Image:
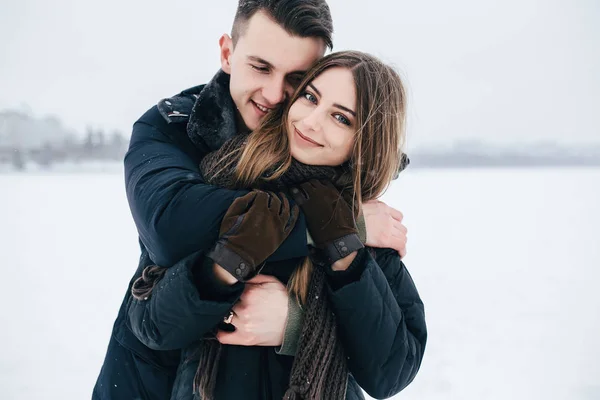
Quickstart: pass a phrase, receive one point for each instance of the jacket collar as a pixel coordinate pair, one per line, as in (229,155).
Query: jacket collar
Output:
(213,118)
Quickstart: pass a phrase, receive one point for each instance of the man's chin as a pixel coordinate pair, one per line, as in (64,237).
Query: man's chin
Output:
(248,123)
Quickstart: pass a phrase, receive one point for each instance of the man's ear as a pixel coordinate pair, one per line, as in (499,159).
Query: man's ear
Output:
(226,45)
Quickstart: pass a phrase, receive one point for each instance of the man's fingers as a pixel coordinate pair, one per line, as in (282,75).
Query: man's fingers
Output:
(402,253)
(400,243)
(400,229)
(397,243)
(239,337)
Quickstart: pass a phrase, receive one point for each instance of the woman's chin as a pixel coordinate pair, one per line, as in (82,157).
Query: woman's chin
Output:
(297,155)
(303,158)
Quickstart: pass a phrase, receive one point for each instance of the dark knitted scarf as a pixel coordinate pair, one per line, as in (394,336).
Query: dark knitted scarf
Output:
(319,370)
(213,173)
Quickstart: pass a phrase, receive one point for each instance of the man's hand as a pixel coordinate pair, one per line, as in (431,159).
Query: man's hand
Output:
(384,226)
(260,315)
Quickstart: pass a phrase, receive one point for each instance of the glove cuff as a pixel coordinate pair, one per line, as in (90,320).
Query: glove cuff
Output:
(342,247)
(233,263)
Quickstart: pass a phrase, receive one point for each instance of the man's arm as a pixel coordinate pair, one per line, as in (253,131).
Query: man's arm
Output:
(175,212)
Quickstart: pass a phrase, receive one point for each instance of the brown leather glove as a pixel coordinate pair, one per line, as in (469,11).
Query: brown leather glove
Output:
(254,227)
(329,218)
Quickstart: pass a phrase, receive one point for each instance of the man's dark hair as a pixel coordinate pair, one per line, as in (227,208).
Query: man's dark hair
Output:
(303,18)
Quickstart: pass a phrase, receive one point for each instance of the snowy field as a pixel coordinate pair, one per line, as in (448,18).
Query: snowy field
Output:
(507,263)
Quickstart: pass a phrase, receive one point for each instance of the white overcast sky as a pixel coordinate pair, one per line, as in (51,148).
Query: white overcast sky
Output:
(499,71)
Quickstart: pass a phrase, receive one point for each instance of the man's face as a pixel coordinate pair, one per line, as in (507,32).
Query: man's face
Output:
(264,65)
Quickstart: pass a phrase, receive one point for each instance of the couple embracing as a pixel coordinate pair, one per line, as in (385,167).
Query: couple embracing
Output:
(269,269)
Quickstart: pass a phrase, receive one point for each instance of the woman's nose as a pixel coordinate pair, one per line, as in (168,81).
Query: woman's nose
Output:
(314,120)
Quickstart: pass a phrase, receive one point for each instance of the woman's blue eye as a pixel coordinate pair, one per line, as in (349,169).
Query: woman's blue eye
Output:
(308,96)
(342,119)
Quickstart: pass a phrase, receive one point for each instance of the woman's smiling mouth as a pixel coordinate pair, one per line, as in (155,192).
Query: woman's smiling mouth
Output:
(306,139)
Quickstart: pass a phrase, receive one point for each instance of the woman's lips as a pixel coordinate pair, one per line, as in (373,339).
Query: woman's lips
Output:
(306,139)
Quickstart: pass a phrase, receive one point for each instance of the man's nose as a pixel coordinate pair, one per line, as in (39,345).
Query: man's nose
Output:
(275,92)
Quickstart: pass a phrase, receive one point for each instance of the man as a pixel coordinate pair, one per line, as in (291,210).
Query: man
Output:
(177,215)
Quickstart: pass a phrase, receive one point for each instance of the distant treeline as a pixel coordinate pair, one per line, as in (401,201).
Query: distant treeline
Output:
(45,141)
(25,139)
(472,159)
(96,146)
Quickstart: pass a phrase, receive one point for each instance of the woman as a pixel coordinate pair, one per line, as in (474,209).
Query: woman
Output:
(335,145)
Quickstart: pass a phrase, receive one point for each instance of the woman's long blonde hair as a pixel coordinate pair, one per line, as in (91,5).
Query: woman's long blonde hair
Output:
(379,140)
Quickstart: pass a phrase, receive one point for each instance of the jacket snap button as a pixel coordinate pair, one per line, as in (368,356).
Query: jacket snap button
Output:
(243,266)
(341,243)
(344,249)
(238,271)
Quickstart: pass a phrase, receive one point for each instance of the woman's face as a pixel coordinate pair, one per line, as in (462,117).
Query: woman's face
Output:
(322,121)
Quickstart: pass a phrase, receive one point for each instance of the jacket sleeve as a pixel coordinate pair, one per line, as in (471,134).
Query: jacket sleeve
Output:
(176,313)
(175,212)
(381,322)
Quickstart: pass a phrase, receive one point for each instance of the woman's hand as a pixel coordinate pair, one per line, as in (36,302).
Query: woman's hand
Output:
(254,227)
(260,315)
(329,218)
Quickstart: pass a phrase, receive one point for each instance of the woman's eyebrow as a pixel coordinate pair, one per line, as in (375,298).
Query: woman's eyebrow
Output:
(314,88)
(341,107)
(345,109)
